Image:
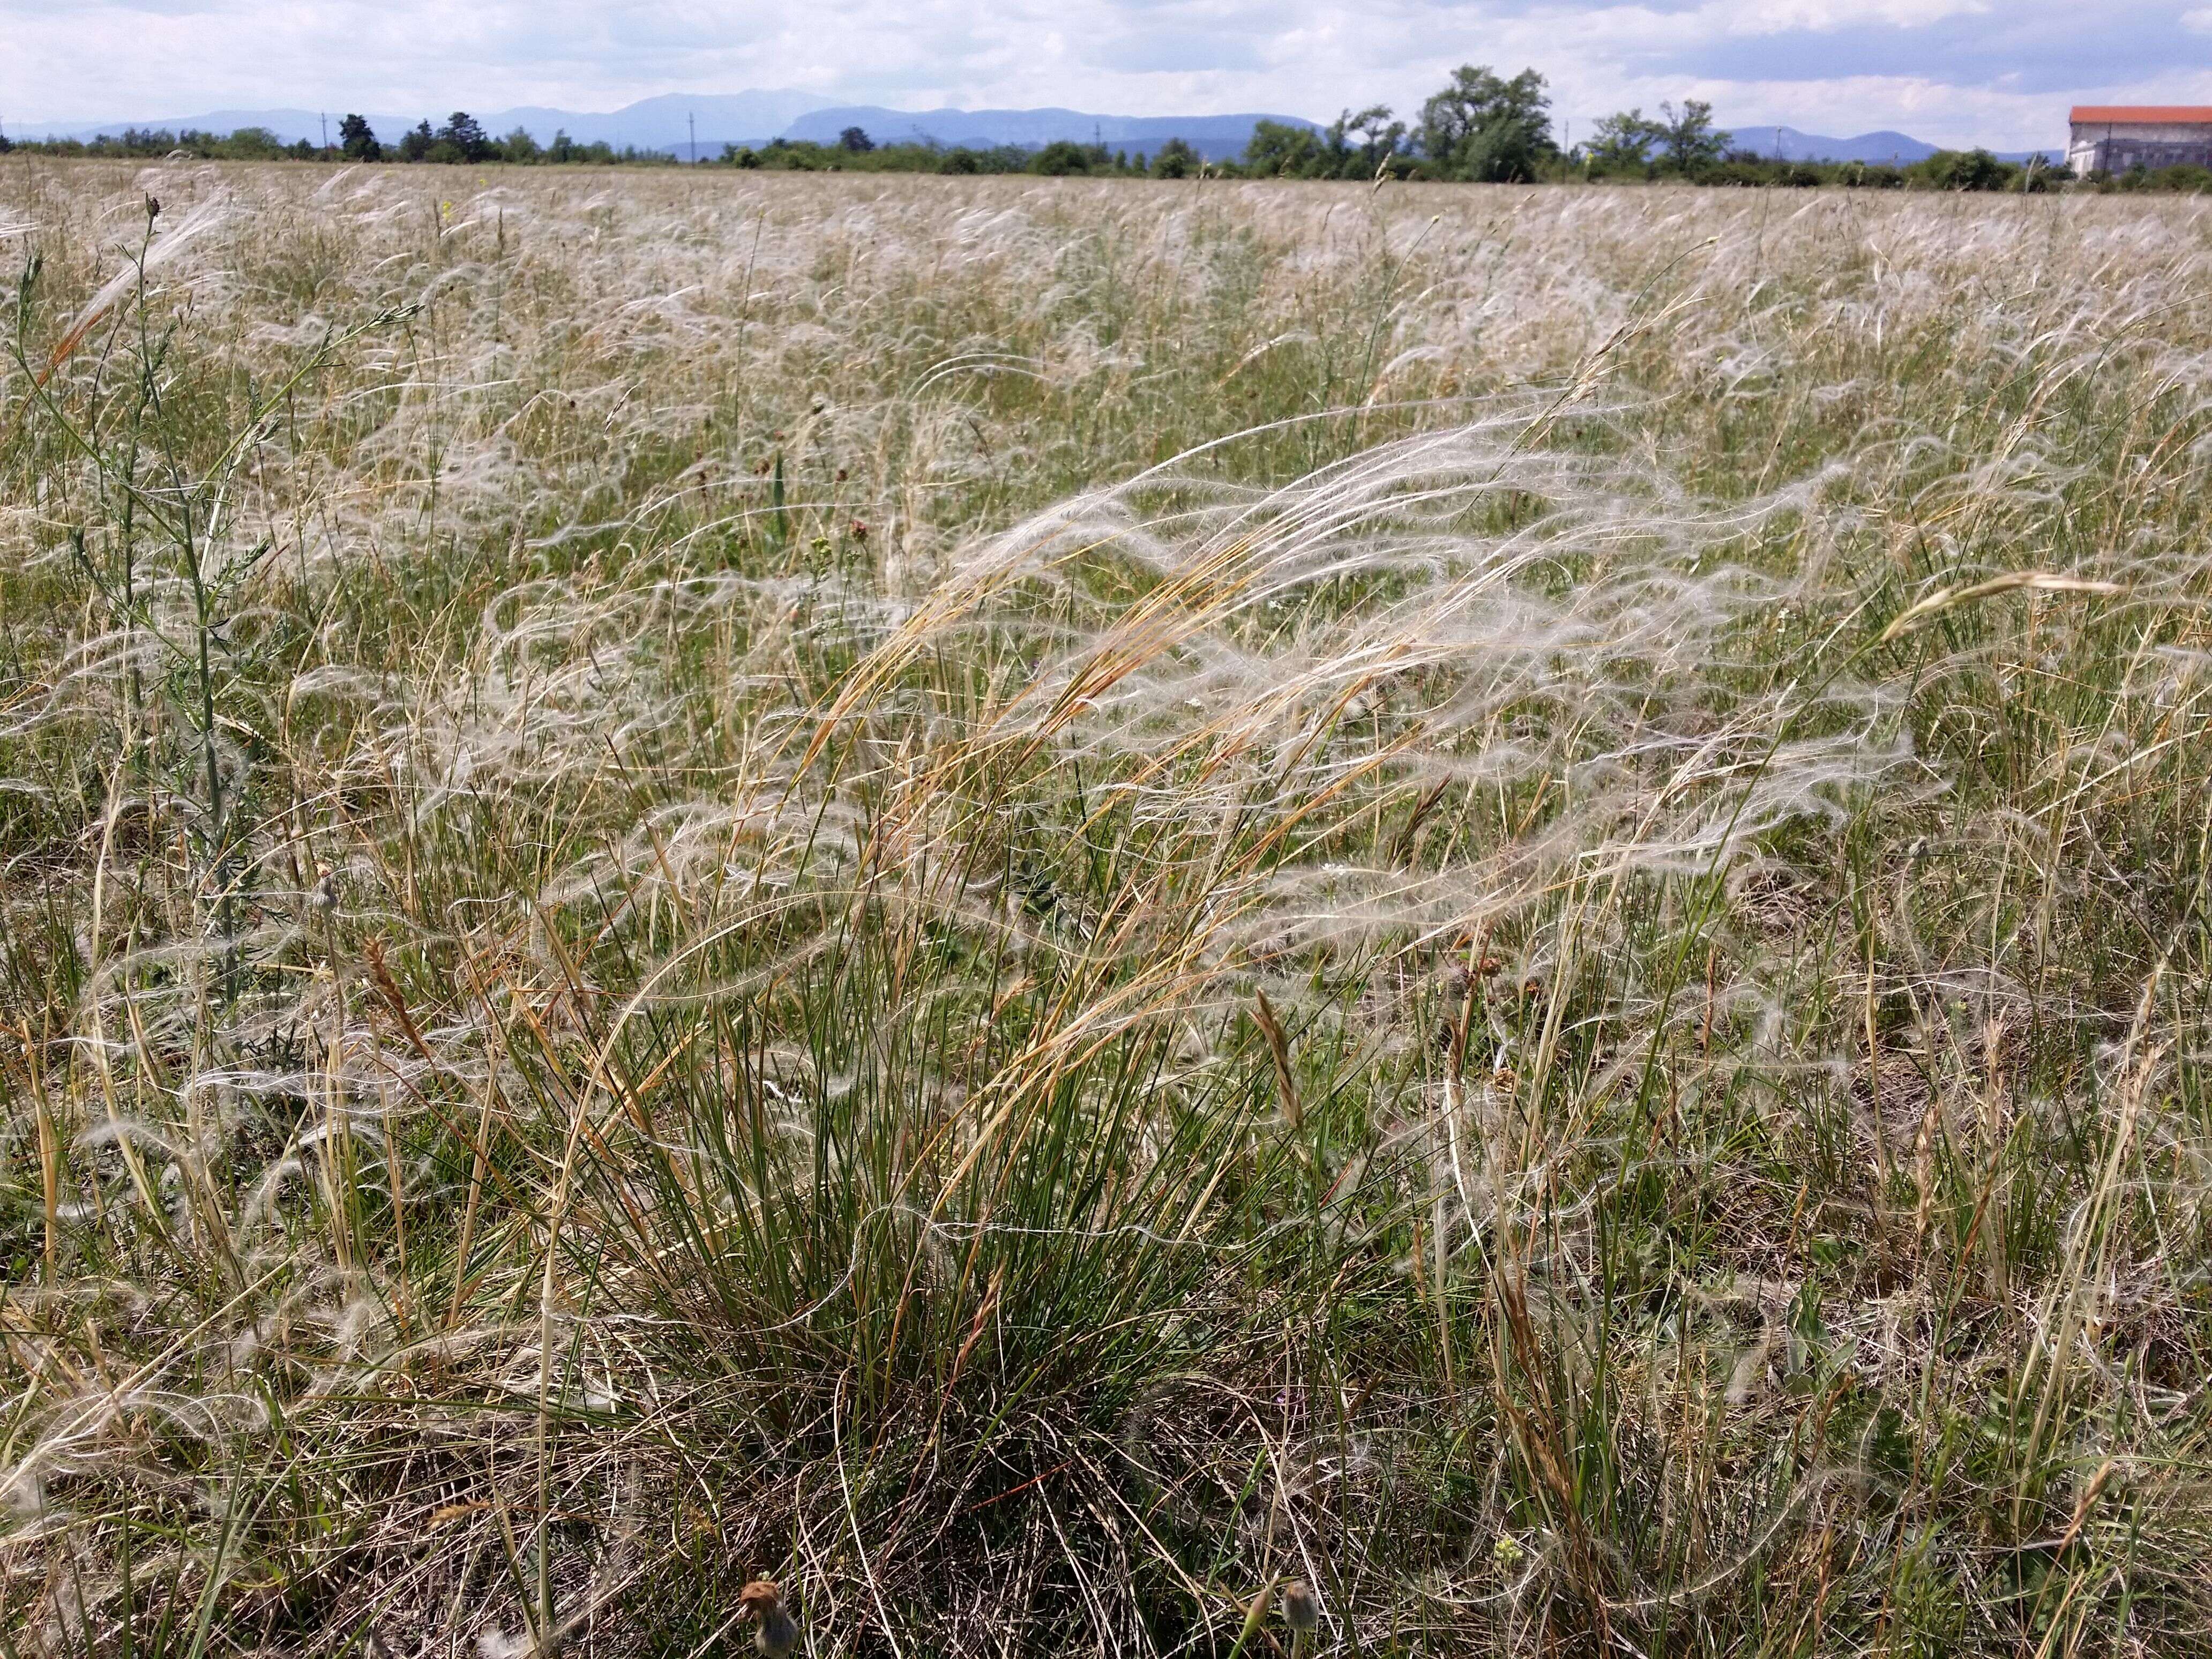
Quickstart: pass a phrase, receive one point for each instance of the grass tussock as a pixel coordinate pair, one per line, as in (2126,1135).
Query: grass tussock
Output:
(1100,918)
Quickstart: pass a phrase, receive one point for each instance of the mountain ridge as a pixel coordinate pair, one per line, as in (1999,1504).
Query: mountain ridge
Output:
(674,121)
(657,123)
(1217,137)
(1883,147)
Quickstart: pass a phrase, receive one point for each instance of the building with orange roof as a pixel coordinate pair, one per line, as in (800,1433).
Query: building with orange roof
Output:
(2121,137)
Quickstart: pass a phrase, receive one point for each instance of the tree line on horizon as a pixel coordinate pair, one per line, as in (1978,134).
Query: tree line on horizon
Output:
(1480,127)
(461,140)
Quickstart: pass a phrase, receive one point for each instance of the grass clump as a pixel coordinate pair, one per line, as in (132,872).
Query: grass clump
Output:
(1025,906)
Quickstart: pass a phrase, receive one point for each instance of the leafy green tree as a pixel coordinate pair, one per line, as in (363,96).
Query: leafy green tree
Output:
(855,141)
(1624,142)
(357,141)
(1064,156)
(1358,144)
(1362,145)
(467,138)
(1693,143)
(519,146)
(1176,160)
(1481,127)
(1279,150)
(417,144)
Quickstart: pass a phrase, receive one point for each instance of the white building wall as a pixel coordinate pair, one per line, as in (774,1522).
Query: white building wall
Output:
(2100,143)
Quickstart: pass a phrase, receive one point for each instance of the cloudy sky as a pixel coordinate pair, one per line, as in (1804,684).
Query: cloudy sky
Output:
(1999,72)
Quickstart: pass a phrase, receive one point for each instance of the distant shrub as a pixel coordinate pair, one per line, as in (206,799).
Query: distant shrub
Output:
(2183,178)
(1973,169)
(256,144)
(1063,156)
(1176,160)
(1279,150)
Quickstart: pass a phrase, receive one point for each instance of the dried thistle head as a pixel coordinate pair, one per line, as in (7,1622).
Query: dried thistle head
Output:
(760,1594)
(777,1632)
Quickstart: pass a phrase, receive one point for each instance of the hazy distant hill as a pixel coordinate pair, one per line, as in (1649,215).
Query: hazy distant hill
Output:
(746,118)
(651,124)
(659,123)
(756,116)
(1214,137)
(1884,147)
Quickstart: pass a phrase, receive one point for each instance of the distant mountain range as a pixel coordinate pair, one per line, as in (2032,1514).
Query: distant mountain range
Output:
(1217,137)
(1788,144)
(671,122)
(662,123)
(674,121)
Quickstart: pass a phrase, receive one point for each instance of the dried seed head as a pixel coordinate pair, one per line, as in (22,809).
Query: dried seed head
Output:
(1301,1608)
(777,1632)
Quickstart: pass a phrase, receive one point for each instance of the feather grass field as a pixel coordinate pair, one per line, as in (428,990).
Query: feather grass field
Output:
(1101,918)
